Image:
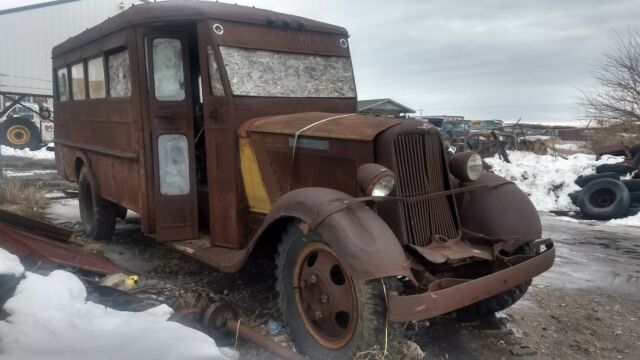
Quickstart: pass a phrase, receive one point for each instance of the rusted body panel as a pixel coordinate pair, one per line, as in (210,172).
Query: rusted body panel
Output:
(466,292)
(355,233)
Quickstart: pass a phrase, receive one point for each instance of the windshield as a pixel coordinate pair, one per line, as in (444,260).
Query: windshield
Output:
(279,74)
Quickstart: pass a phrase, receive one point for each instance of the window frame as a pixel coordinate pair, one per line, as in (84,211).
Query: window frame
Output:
(84,78)
(106,55)
(68,71)
(104,74)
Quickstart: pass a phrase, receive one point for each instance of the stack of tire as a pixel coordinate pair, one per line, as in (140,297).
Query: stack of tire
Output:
(604,196)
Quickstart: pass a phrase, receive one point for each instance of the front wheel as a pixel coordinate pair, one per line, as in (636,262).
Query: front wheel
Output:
(330,315)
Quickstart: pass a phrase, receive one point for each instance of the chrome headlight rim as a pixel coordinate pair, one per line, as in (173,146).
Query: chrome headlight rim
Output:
(376,180)
(466,166)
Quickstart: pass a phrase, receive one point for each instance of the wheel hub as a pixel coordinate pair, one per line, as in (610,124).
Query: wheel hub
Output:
(325,296)
(18,135)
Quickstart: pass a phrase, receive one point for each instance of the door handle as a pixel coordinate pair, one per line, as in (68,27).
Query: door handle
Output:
(164,114)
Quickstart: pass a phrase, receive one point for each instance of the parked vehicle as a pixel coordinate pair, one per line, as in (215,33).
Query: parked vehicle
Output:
(23,127)
(229,128)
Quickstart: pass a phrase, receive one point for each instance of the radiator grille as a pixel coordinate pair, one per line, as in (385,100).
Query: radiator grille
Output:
(420,171)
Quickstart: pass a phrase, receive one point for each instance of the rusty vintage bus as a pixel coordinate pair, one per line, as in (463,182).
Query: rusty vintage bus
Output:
(229,128)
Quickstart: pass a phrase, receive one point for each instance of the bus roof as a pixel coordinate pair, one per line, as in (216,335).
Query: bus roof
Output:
(191,10)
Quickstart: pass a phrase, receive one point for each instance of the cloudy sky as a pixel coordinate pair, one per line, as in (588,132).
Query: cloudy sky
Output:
(484,59)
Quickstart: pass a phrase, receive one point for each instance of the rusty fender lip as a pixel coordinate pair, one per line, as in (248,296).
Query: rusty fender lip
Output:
(431,304)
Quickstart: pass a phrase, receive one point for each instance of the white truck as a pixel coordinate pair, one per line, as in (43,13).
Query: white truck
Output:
(24,127)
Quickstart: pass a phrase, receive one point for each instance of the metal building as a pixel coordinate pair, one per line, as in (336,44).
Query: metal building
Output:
(28,33)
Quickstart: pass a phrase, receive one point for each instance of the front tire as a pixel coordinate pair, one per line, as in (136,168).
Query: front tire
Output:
(330,315)
(98,215)
(502,301)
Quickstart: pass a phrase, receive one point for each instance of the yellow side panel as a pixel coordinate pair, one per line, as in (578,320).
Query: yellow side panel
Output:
(253,185)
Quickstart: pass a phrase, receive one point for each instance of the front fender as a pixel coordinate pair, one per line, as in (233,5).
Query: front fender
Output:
(365,245)
(501,213)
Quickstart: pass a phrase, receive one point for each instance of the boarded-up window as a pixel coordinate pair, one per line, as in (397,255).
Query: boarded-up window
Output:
(95,69)
(254,72)
(63,84)
(77,81)
(119,78)
(214,74)
(168,71)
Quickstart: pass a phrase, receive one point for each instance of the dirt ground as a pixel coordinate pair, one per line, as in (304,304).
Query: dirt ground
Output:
(586,307)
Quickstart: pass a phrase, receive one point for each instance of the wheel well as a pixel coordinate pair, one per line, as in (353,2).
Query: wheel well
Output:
(267,245)
(78,166)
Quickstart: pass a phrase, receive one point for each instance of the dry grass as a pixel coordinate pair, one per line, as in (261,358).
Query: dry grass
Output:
(626,134)
(23,199)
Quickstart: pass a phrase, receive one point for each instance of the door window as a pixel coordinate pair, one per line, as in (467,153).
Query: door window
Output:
(168,72)
(173,164)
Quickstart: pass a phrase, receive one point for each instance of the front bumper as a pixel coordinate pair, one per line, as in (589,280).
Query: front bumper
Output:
(433,303)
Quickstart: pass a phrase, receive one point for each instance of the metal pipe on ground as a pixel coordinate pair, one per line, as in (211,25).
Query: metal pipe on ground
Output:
(255,337)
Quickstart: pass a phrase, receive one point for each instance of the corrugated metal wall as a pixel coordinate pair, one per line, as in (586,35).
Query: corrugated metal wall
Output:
(26,39)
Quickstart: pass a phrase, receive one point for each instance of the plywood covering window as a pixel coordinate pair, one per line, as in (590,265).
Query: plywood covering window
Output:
(255,72)
(95,69)
(63,84)
(119,76)
(77,81)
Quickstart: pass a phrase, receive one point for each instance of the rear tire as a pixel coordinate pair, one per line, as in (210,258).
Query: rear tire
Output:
(20,134)
(583,180)
(98,215)
(492,305)
(338,334)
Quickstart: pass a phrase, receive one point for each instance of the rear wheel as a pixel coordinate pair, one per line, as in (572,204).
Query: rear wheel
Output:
(98,215)
(20,134)
(330,315)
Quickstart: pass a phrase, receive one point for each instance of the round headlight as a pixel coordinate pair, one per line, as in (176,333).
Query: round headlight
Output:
(466,166)
(376,180)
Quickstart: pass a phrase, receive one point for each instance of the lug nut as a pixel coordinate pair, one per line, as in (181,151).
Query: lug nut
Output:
(324,298)
(318,315)
(313,279)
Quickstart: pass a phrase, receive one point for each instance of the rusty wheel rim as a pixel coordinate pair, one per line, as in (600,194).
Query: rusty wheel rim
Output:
(325,296)
(18,135)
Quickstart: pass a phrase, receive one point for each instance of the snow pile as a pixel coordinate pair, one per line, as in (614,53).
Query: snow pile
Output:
(10,264)
(50,319)
(26,153)
(548,180)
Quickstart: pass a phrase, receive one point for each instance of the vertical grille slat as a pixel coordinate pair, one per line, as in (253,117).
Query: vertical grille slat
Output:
(420,171)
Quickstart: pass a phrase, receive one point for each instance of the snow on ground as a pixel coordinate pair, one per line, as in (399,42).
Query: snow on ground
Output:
(567,146)
(548,180)
(38,154)
(49,318)
(10,264)
(65,210)
(27,173)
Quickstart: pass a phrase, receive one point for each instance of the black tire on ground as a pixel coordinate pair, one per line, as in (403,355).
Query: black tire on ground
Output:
(21,133)
(621,169)
(635,199)
(632,184)
(605,199)
(492,305)
(635,150)
(98,215)
(366,329)
(583,180)
(575,197)
(633,210)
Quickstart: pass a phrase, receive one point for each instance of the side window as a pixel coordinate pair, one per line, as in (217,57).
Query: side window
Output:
(214,74)
(119,78)
(77,81)
(95,69)
(63,84)
(168,72)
